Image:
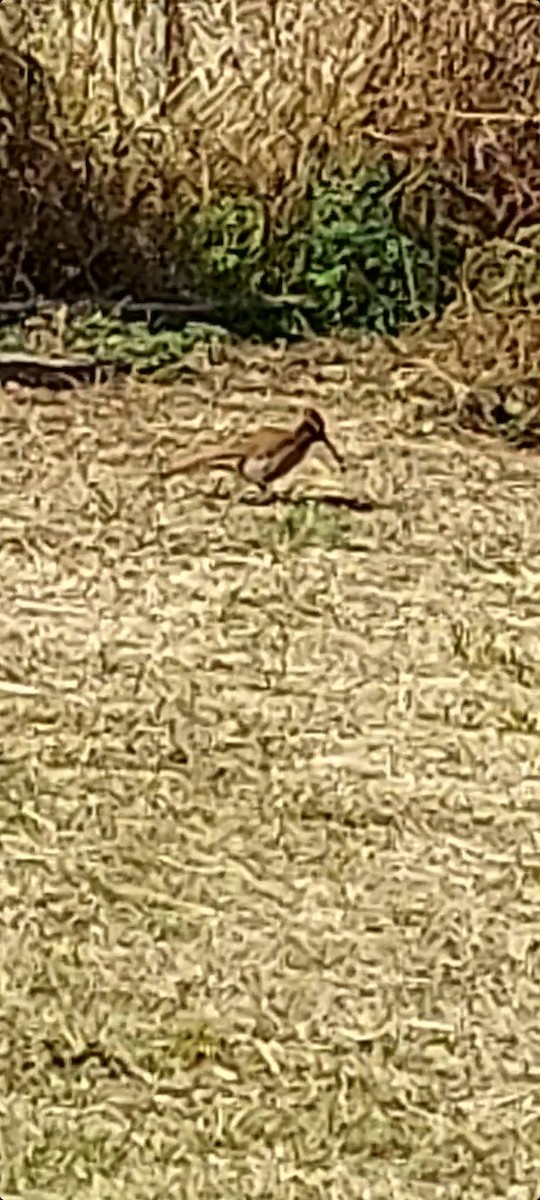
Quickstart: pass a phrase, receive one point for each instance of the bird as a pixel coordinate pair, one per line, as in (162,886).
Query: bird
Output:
(266,454)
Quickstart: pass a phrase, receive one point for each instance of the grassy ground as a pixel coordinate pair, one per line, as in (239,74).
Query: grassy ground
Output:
(269,785)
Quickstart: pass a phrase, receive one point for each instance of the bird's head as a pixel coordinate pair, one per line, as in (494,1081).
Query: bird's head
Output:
(314,424)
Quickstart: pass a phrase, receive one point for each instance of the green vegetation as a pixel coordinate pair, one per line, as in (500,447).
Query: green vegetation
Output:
(343,260)
(105,337)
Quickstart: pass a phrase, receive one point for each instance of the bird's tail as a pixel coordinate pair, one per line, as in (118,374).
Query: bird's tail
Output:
(227,459)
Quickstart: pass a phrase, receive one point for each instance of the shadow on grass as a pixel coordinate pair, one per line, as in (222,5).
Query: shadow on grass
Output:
(331,499)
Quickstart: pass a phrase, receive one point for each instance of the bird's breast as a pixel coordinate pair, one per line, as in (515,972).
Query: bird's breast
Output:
(256,467)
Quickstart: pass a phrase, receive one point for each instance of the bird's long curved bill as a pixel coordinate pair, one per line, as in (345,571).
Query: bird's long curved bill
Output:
(338,457)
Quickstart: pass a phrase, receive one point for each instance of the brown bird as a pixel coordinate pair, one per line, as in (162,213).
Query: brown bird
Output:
(265,455)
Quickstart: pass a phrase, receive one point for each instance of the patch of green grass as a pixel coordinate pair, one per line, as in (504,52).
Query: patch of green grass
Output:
(106,337)
(310,523)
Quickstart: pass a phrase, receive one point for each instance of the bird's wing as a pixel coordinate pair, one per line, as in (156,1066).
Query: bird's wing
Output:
(264,441)
(253,445)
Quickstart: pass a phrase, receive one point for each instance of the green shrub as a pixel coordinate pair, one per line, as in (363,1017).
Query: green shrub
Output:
(342,260)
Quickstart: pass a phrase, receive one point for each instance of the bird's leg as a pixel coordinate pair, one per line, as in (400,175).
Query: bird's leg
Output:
(267,494)
(217,491)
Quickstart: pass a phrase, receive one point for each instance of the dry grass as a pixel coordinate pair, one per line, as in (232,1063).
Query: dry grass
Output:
(269,775)
(254,89)
(269,780)
(116,118)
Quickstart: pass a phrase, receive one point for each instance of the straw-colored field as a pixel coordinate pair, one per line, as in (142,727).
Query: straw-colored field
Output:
(269,802)
(270,773)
